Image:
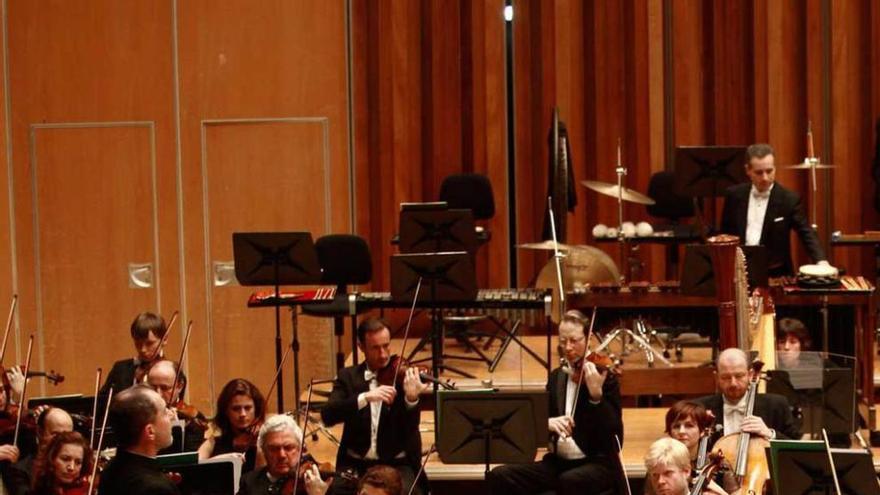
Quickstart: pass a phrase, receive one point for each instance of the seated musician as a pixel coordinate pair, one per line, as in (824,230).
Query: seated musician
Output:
(772,415)
(584,458)
(668,466)
(687,422)
(64,466)
(381,422)
(12,479)
(51,422)
(142,424)
(792,338)
(161,379)
(280,441)
(147,331)
(380,480)
(241,409)
(761,212)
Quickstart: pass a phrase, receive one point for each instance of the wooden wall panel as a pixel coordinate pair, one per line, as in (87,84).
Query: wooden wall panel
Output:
(107,63)
(283,60)
(8,280)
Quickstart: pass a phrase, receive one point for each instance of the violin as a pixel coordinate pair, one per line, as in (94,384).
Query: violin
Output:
(51,375)
(394,372)
(190,413)
(325,470)
(602,362)
(143,369)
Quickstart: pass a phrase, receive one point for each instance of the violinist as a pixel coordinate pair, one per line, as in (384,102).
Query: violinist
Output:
(381,421)
(241,409)
(583,460)
(772,417)
(668,467)
(279,440)
(142,424)
(60,466)
(147,332)
(161,379)
(13,481)
(688,422)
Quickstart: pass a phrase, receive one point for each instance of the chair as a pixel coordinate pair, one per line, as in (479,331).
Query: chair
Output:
(345,260)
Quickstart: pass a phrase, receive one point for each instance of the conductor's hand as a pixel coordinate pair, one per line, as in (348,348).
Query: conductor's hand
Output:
(383,393)
(756,426)
(561,425)
(412,384)
(594,380)
(9,453)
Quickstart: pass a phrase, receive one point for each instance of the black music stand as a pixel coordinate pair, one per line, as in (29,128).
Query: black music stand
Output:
(488,426)
(450,277)
(276,259)
(432,228)
(698,276)
(706,171)
(803,467)
(215,478)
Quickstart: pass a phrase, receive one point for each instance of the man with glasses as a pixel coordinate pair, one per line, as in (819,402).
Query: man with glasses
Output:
(280,441)
(583,451)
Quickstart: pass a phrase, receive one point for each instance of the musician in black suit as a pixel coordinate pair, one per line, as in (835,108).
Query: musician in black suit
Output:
(142,424)
(280,441)
(381,422)
(147,333)
(583,458)
(762,212)
(771,417)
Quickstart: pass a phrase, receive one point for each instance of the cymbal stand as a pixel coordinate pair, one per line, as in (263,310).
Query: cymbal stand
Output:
(621,238)
(641,337)
(557,258)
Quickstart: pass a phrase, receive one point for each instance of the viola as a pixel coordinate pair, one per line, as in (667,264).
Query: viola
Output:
(394,372)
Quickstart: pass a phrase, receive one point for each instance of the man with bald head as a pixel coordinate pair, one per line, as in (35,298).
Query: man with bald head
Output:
(772,414)
(50,422)
(161,379)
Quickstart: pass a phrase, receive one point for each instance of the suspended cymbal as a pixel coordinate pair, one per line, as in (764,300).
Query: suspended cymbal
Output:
(583,265)
(547,245)
(805,166)
(611,190)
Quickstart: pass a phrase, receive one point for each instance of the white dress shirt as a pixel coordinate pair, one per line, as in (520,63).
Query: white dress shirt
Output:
(757,211)
(734,415)
(375,413)
(567,448)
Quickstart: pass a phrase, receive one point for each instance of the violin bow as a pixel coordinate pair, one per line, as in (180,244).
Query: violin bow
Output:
(409,320)
(100,442)
(98,374)
(189,327)
(21,409)
(831,462)
(431,450)
(171,322)
(302,440)
(278,371)
(8,326)
(583,359)
(620,461)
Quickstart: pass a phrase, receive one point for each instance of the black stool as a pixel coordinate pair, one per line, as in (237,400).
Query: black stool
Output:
(345,260)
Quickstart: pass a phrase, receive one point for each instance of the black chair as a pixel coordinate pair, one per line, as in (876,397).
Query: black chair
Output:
(345,260)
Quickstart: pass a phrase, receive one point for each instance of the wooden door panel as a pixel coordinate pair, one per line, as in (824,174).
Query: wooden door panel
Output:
(94,213)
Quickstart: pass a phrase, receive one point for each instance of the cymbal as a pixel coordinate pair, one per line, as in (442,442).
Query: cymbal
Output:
(547,245)
(806,166)
(611,190)
(583,265)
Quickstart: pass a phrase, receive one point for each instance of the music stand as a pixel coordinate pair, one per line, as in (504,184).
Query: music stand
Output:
(213,478)
(432,228)
(488,426)
(706,171)
(276,259)
(450,277)
(803,467)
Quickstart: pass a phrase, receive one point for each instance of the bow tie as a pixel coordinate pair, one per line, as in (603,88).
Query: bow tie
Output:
(732,409)
(760,195)
(369,375)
